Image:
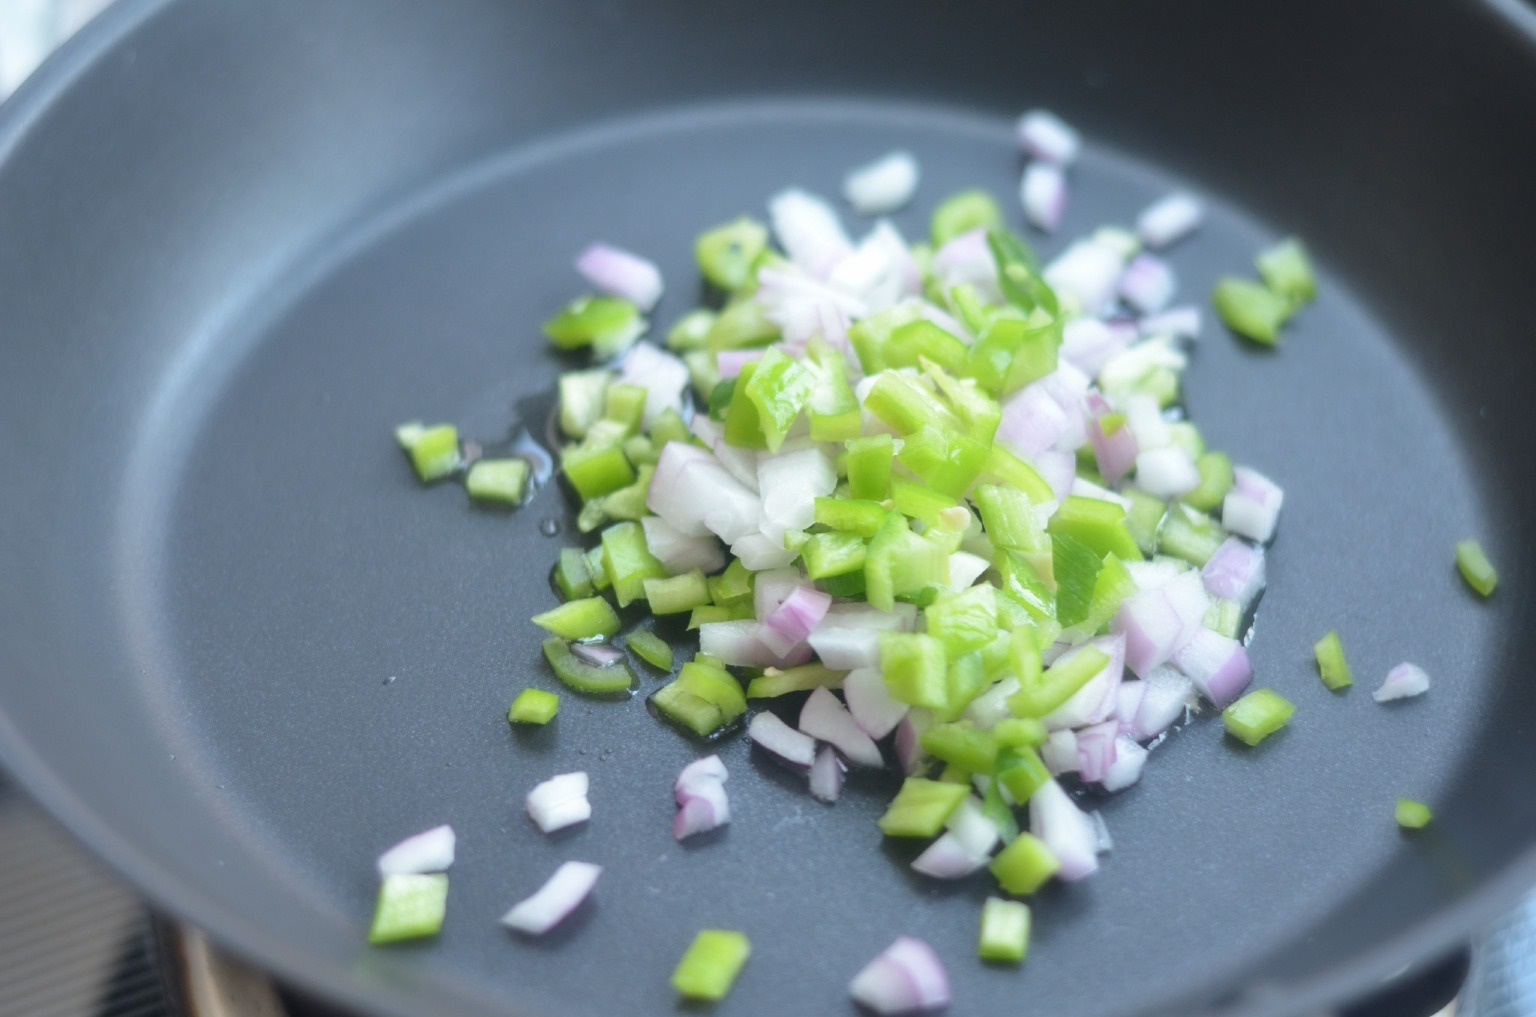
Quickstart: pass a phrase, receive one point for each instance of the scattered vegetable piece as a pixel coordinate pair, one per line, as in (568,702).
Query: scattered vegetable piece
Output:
(434,451)
(534,706)
(560,802)
(1475,567)
(1004,930)
(410,906)
(1412,815)
(710,966)
(1251,310)
(907,978)
(553,902)
(1257,715)
(431,851)
(1331,664)
(651,648)
(1403,682)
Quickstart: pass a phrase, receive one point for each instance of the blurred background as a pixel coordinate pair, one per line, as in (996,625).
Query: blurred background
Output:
(75,942)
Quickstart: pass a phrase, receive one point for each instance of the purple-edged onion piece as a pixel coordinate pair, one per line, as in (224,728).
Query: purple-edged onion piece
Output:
(781,741)
(553,902)
(826,777)
(430,851)
(1403,682)
(827,720)
(907,978)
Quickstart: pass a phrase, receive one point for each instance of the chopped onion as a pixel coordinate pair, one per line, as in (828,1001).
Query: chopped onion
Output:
(791,482)
(709,768)
(1144,419)
(740,462)
(619,273)
(1130,366)
(1059,470)
(663,376)
(1114,453)
(965,568)
(879,272)
(991,706)
(680,553)
(1087,274)
(948,858)
(1158,622)
(800,613)
(1095,702)
(907,978)
(1043,193)
(1169,219)
(553,902)
(1032,422)
(1066,830)
(1150,575)
(1148,284)
(697,496)
(560,802)
(431,851)
(1179,322)
(827,720)
(1128,703)
(1403,682)
(1088,489)
(809,231)
(1166,472)
(1235,572)
(967,259)
(882,186)
(730,362)
(743,644)
(870,702)
(1096,750)
(1164,703)
(1252,507)
(1044,135)
(1217,665)
(1130,761)
(758,551)
(1059,753)
(597,654)
(826,777)
(909,741)
(781,741)
(1090,343)
(702,802)
(1105,843)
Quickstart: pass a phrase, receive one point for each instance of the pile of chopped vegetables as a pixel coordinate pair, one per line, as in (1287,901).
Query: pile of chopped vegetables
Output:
(930,506)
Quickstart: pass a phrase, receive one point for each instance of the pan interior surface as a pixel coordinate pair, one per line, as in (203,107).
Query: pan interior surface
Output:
(332,648)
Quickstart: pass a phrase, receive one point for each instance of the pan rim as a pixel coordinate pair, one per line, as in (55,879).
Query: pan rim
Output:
(1430,938)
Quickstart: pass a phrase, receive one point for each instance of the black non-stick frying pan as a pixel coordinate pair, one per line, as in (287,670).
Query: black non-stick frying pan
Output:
(241,651)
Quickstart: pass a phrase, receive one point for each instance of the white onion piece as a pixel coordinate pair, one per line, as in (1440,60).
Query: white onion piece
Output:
(1069,387)
(1235,572)
(907,978)
(1169,219)
(879,272)
(1088,489)
(870,702)
(1032,422)
(1165,702)
(1058,469)
(1090,344)
(802,305)
(1130,761)
(662,375)
(430,851)
(1059,753)
(1043,193)
(758,551)
(782,741)
(826,777)
(1144,418)
(965,568)
(702,806)
(1148,284)
(619,273)
(772,587)
(740,462)
(826,719)
(1044,135)
(967,260)
(992,705)
(1066,830)
(698,496)
(1167,472)
(597,654)
(972,829)
(1217,665)
(680,553)
(709,768)
(947,858)
(1149,575)
(1179,322)
(845,649)
(1158,622)
(1129,366)
(1252,507)
(791,481)
(809,231)
(742,643)
(559,802)
(560,895)
(1114,453)
(1086,274)
(1128,703)
(1095,702)
(882,186)
(1403,682)
(1096,750)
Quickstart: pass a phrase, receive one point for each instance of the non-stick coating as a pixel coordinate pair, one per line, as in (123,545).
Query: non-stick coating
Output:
(241,652)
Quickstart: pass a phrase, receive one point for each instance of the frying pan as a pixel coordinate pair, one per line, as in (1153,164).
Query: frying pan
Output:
(241,651)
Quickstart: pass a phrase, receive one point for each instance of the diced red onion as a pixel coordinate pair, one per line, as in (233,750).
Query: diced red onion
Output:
(809,231)
(907,978)
(883,186)
(703,806)
(948,858)
(1096,750)
(1115,453)
(742,644)
(1069,387)
(1128,703)
(1032,422)
(910,755)
(1095,702)
(1044,135)
(708,769)
(553,902)
(1169,219)
(1090,343)
(1087,274)
(791,481)
(826,778)
(772,587)
(1167,472)
(1179,322)
(1235,572)
(1059,753)
(680,553)
(662,375)
(781,741)
(1148,284)
(967,259)
(1130,761)
(619,273)
(1217,665)
(698,496)
(1157,623)
(1066,830)
(430,851)
(826,719)
(975,832)
(730,362)
(1403,682)
(1058,469)
(1252,507)
(1043,193)
(1165,702)
(1150,575)
(870,702)
(597,654)
(800,613)
(560,802)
